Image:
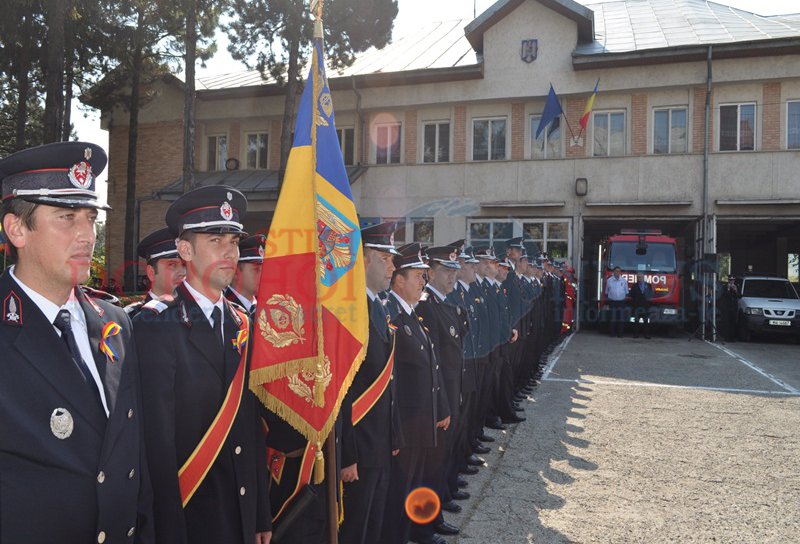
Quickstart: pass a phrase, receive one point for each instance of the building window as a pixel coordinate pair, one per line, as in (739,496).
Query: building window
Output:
(548,144)
(436,142)
(217,152)
(737,127)
(669,131)
(793,125)
(347,141)
(489,140)
(412,229)
(388,144)
(257,145)
(609,134)
(547,235)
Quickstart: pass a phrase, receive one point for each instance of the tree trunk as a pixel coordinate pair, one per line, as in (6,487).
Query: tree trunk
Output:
(24,84)
(56,16)
(288,108)
(69,69)
(129,279)
(189,95)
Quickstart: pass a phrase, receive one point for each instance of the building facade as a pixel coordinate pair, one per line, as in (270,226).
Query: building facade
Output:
(697,114)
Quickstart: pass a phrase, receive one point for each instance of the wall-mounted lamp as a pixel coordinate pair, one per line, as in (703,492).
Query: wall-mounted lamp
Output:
(581,186)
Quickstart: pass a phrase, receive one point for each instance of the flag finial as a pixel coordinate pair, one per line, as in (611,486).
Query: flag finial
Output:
(316,9)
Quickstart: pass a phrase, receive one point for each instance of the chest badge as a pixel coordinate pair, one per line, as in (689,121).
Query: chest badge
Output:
(452,331)
(61,423)
(407,329)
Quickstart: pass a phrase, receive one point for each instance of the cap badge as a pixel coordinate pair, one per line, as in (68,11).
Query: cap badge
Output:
(226,211)
(454,255)
(261,251)
(87,153)
(391,239)
(80,175)
(61,423)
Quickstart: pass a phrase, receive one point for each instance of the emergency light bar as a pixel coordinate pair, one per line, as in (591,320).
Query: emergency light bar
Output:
(654,232)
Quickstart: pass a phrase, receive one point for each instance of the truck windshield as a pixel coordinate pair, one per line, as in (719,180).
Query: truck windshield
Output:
(768,289)
(659,257)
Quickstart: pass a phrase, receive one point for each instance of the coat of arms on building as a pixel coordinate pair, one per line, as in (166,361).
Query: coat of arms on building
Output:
(529,50)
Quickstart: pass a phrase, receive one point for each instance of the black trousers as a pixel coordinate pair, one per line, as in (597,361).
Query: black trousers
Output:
(408,468)
(641,324)
(364,506)
(617,315)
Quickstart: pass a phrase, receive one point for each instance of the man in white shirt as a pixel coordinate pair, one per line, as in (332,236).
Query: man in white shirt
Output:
(616,292)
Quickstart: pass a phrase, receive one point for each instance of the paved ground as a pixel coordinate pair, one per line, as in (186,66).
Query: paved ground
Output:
(663,440)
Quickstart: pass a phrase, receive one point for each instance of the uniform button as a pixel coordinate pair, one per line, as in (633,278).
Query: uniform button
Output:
(433,390)
(422,347)
(131,531)
(101,537)
(131,474)
(101,477)
(437,367)
(130,413)
(238,450)
(242,491)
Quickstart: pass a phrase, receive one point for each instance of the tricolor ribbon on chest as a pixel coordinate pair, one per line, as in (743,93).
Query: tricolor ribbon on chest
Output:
(241,339)
(109,329)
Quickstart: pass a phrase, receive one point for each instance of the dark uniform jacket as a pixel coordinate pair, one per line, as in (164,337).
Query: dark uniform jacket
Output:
(185,376)
(370,443)
(67,473)
(446,328)
(640,298)
(496,327)
(420,396)
(483,345)
(513,291)
(460,297)
(134,308)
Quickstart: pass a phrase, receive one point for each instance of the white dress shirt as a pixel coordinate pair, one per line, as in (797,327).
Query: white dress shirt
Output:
(372,296)
(616,289)
(78,324)
(403,304)
(246,303)
(436,292)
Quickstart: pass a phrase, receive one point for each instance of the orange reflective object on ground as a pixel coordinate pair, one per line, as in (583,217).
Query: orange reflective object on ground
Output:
(422,505)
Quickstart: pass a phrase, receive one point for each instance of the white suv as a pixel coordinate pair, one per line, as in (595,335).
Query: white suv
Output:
(767,305)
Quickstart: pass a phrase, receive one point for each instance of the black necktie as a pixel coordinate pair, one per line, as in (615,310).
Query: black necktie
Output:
(64,324)
(216,315)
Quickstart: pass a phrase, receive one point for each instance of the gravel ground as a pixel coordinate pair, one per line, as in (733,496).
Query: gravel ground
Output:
(673,441)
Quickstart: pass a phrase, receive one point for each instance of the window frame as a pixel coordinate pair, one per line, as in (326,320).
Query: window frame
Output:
(788,103)
(219,167)
(387,125)
(670,110)
(518,230)
(258,155)
(609,113)
(533,138)
(341,134)
(738,105)
(437,124)
(490,119)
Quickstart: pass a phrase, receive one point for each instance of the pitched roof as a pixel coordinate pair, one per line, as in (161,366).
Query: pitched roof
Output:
(626,26)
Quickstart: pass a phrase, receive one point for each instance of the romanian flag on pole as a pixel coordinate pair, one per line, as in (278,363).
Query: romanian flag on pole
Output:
(311,328)
(589,105)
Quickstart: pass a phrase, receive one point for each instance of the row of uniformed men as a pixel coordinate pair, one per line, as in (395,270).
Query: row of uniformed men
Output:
(84,388)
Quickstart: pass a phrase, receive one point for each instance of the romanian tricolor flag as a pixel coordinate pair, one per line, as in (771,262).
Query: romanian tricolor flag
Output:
(589,105)
(311,327)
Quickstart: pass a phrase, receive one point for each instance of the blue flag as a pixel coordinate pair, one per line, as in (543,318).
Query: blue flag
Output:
(552,109)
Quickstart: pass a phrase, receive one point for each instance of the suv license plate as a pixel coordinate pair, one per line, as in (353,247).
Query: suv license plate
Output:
(780,322)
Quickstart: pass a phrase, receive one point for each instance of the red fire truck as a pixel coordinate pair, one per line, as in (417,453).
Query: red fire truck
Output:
(654,255)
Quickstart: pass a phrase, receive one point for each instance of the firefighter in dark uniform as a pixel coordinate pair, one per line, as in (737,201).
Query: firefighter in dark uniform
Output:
(244,286)
(504,398)
(467,442)
(209,470)
(447,326)
(421,397)
(165,270)
(374,436)
(485,280)
(72,460)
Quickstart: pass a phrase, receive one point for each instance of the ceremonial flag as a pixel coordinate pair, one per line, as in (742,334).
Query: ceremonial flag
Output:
(552,109)
(589,106)
(311,327)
